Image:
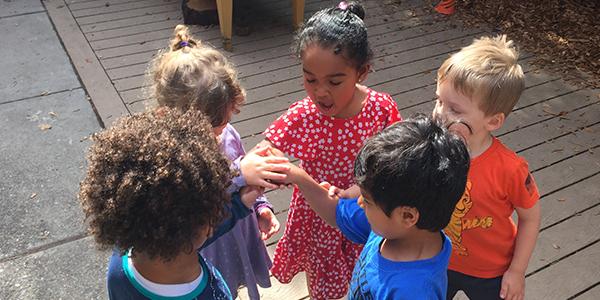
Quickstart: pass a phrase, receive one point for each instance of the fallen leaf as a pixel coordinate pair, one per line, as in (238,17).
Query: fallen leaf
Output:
(557,150)
(555,246)
(44,93)
(44,127)
(562,199)
(33,195)
(53,114)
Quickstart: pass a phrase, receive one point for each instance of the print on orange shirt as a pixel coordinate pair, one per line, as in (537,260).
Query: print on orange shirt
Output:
(458,222)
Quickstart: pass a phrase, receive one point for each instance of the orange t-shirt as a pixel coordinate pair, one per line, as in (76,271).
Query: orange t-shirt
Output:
(481,228)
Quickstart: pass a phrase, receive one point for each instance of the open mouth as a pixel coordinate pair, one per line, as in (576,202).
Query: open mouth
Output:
(324,106)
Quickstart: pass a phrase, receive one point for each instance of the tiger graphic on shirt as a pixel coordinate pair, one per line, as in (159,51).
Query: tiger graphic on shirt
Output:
(458,222)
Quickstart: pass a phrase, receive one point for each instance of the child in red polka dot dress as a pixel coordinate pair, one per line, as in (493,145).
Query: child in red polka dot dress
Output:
(325,131)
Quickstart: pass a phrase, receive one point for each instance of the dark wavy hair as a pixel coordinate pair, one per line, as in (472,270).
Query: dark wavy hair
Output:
(415,163)
(339,29)
(155,180)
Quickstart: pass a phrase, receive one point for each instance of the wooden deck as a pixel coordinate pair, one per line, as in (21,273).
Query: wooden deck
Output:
(555,126)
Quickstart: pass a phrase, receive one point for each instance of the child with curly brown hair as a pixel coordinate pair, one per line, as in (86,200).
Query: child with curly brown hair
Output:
(155,191)
(190,75)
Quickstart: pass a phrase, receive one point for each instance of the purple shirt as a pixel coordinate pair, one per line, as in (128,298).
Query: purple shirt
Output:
(241,255)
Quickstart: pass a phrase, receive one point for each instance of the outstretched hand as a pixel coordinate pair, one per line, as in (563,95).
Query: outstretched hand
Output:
(337,193)
(261,168)
(249,193)
(267,224)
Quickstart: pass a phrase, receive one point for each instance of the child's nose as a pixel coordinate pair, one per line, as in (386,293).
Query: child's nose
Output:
(320,91)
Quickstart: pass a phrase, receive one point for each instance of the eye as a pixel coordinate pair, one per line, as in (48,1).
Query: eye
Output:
(335,83)
(311,80)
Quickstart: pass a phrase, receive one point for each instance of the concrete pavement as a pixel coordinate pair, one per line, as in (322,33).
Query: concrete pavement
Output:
(45,119)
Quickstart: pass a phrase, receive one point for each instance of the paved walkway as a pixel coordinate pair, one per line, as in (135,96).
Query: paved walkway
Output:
(45,117)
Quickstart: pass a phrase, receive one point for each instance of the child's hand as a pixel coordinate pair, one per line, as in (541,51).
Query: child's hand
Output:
(332,191)
(260,168)
(267,224)
(336,193)
(513,285)
(249,194)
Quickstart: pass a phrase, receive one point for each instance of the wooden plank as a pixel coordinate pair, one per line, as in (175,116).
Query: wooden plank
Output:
(127,14)
(140,20)
(280,199)
(268,35)
(131,96)
(147,28)
(567,172)
(566,238)
(105,99)
(142,38)
(278,65)
(565,137)
(266,80)
(118,8)
(591,294)
(145,56)
(566,277)
(296,289)
(539,112)
(79,4)
(135,29)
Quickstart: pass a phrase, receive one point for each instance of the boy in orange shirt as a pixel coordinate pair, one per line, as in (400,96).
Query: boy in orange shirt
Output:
(478,87)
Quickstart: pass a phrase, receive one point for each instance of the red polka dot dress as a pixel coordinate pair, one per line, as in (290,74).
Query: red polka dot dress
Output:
(326,147)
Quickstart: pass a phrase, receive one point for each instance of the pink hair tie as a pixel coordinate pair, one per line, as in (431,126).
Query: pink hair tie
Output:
(343,5)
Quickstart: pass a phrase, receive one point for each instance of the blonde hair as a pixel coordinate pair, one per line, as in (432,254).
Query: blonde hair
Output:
(190,74)
(488,70)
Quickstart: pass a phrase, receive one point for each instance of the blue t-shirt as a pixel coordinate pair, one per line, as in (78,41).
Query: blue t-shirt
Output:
(375,277)
(122,284)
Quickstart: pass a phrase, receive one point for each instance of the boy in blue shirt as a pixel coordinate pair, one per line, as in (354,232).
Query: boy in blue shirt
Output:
(155,190)
(410,176)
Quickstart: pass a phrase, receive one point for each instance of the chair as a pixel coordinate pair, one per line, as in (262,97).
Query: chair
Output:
(225,10)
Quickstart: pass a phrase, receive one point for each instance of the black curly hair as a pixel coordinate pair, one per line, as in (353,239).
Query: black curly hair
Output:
(339,28)
(415,163)
(155,180)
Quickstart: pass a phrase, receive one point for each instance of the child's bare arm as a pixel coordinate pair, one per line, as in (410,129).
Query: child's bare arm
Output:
(273,149)
(513,281)
(317,196)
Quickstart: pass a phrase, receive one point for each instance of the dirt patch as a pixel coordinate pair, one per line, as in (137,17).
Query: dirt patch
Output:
(563,35)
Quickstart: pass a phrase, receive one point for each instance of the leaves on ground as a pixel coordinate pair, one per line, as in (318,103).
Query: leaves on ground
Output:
(44,127)
(564,35)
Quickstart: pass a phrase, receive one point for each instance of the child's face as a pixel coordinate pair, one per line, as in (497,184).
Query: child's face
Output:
(330,81)
(380,222)
(452,106)
(218,130)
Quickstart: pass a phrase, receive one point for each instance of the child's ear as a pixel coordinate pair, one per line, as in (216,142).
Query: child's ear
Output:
(407,216)
(363,72)
(495,121)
